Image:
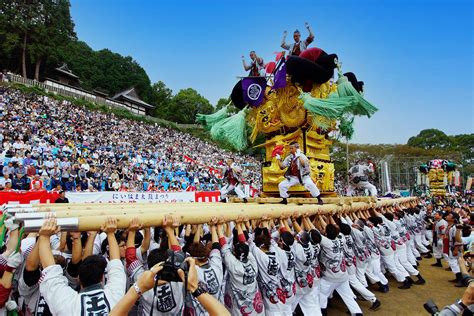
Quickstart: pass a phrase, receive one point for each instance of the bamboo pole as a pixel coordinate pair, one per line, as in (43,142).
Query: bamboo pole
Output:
(204,214)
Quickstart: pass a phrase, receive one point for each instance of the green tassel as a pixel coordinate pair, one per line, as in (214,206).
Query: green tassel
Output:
(362,106)
(346,127)
(332,107)
(232,130)
(209,120)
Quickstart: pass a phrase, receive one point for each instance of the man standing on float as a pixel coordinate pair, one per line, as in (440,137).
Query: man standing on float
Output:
(256,67)
(298,172)
(360,179)
(298,46)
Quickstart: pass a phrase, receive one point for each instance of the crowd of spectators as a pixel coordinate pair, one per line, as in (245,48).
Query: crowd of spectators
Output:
(56,145)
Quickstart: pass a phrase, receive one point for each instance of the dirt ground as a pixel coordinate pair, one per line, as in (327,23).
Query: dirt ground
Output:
(410,302)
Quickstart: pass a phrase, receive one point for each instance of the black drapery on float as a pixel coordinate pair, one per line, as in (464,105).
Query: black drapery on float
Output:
(303,70)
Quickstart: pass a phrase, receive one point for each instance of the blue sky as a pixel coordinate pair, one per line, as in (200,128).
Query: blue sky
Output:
(415,56)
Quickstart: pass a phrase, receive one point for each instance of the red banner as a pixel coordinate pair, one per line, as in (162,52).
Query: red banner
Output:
(211,196)
(25,197)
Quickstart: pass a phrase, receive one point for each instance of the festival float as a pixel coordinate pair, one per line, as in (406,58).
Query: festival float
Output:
(438,174)
(296,100)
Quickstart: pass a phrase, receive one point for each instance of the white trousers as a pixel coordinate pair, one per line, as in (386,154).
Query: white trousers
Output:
(374,273)
(344,291)
(362,185)
(360,288)
(429,235)
(394,269)
(361,268)
(411,257)
(309,301)
(229,187)
(424,238)
(438,249)
(453,262)
(401,256)
(308,183)
(412,245)
(419,243)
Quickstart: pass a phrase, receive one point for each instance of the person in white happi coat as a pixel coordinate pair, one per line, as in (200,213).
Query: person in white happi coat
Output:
(269,271)
(242,295)
(400,249)
(359,179)
(285,253)
(233,176)
(400,221)
(208,265)
(384,242)
(439,232)
(298,172)
(305,285)
(334,276)
(411,226)
(453,249)
(374,271)
(94,298)
(420,241)
(351,264)
(256,66)
(298,46)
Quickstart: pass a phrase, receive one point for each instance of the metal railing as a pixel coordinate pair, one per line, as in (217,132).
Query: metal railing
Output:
(66,91)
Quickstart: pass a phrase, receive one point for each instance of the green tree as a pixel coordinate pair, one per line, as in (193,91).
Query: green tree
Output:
(186,104)
(48,37)
(19,18)
(221,103)
(429,139)
(33,30)
(162,96)
(106,70)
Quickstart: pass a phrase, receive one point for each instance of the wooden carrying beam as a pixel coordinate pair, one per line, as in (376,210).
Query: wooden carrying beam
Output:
(198,213)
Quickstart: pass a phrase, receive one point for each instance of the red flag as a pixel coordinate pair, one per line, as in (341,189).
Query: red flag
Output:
(188,159)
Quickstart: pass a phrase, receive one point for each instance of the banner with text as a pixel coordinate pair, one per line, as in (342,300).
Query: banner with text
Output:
(25,197)
(130,197)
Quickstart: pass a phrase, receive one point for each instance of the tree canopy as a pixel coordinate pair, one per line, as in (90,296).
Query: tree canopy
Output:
(186,104)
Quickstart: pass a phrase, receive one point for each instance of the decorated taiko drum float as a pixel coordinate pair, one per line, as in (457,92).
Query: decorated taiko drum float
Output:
(297,101)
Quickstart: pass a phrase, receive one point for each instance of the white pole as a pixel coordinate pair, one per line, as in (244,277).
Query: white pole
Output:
(387,177)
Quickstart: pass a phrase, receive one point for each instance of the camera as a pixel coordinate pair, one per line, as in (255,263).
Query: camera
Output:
(173,263)
(431,307)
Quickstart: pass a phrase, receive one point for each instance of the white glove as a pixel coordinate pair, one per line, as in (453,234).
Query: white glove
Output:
(298,153)
(278,157)
(10,224)
(14,260)
(11,305)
